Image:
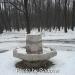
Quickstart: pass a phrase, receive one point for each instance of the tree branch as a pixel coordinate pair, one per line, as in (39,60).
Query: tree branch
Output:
(16,7)
(13,5)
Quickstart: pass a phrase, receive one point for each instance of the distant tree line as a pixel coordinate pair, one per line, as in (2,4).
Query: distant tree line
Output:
(40,14)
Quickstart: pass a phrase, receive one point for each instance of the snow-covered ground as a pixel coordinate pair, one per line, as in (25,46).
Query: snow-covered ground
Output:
(64,43)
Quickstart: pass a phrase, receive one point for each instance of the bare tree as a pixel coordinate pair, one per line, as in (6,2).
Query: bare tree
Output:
(65,15)
(73,16)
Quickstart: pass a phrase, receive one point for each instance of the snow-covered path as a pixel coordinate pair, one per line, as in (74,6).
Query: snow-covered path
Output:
(64,43)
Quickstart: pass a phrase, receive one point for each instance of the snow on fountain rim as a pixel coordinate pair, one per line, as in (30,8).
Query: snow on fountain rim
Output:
(23,50)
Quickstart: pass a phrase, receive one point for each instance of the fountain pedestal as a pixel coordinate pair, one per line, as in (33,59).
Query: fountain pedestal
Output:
(34,44)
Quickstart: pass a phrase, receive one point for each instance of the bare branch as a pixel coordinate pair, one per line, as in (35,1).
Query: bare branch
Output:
(20,3)
(14,6)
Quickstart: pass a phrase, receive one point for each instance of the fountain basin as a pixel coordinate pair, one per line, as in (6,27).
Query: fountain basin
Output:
(46,55)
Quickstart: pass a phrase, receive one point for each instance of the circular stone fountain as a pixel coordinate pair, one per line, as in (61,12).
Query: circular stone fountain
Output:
(47,54)
(34,50)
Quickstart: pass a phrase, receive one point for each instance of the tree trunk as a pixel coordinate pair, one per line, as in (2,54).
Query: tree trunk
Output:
(27,17)
(65,16)
(73,16)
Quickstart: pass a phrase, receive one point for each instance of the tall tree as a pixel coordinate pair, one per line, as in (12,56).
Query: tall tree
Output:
(65,15)
(73,16)
(27,16)
(1,24)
